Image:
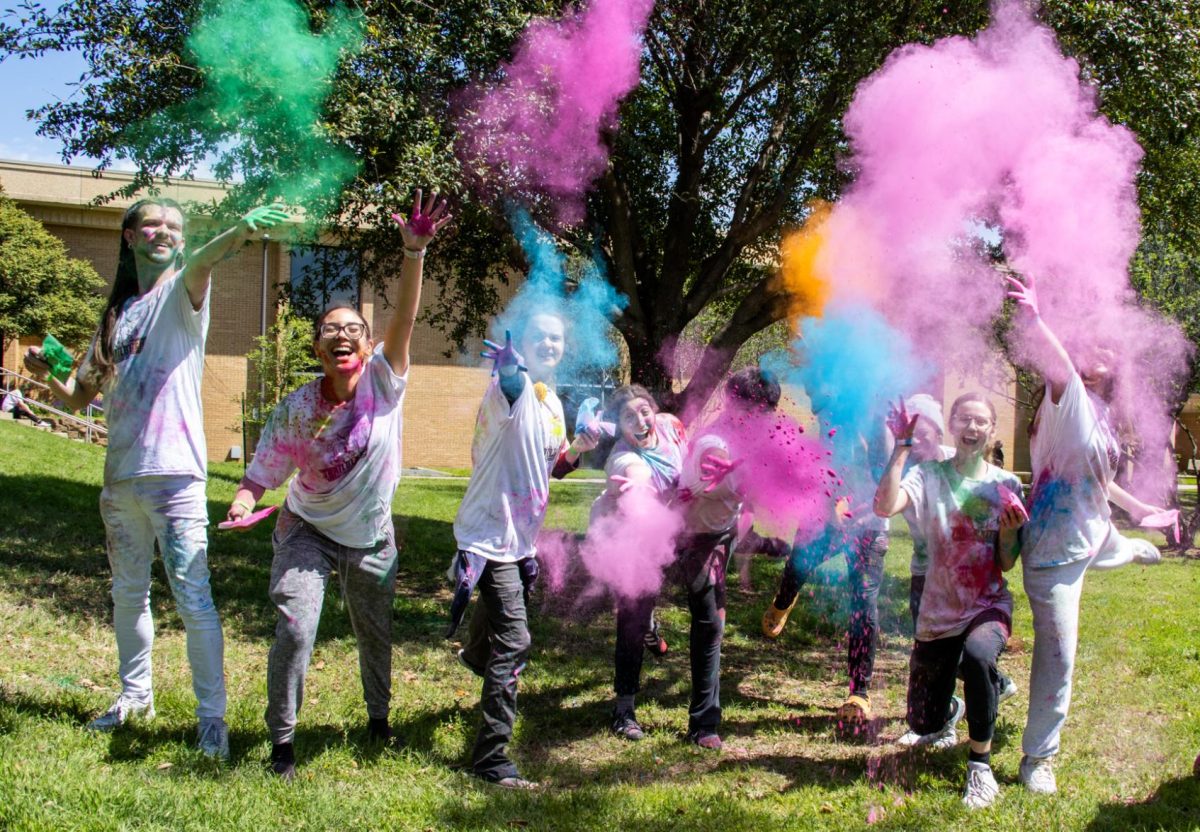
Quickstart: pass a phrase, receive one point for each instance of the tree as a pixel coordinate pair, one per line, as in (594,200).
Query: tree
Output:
(734,128)
(42,290)
(281,361)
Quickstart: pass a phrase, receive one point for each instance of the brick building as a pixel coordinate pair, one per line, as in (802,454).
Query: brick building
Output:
(443,394)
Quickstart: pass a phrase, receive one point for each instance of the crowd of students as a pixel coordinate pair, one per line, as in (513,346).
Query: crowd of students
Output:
(336,443)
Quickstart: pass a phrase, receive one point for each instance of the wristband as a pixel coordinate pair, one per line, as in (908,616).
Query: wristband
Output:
(904,443)
(414,253)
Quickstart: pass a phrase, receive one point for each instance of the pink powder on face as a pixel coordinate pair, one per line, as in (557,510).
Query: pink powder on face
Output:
(538,129)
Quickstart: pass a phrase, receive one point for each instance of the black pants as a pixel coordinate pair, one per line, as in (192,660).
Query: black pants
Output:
(701,565)
(864,568)
(498,641)
(933,674)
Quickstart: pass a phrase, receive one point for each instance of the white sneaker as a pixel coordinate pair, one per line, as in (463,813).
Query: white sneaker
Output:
(1145,552)
(121,712)
(1037,773)
(982,789)
(1008,691)
(213,738)
(946,736)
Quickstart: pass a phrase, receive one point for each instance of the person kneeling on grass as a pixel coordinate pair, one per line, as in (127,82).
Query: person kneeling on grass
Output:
(343,432)
(969,514)
(148,358)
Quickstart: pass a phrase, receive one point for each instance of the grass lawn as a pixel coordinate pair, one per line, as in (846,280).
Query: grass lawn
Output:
(1126,763)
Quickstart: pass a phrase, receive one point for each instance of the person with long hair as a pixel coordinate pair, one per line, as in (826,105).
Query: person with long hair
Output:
(342,434)
(1074,452)
(520,442)
(148,359)
(968,513)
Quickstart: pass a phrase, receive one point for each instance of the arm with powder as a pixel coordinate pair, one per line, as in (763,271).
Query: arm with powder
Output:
(197,273)
(1052,360)
(418,232)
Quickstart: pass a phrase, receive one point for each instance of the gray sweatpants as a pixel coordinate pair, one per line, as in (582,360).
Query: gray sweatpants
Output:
(304,560)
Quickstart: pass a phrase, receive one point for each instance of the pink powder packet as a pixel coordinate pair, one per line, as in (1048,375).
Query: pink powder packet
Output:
(1162,520)
(248,521)
(1010,499)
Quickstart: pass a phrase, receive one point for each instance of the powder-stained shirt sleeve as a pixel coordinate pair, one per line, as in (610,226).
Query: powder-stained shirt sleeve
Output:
(273,463)
(388,383)
(188,316)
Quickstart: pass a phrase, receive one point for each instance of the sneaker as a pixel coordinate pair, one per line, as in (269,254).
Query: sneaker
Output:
(121,712)
(379,731)
(774,619)
(465,662)
(946,736)
(705,739)
(212,738)
(1037,773)
(516,782)
(1008,690)
(625,725)
(982,789)
(1145,552)
(856,710)
(283,761)
(653,640)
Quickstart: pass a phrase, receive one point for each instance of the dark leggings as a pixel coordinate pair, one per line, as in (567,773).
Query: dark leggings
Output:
(933,670)
(701,565)
(864,566)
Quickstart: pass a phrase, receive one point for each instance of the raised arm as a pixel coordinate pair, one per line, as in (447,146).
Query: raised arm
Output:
(1051,360)
(890,498)
(197,273)
(418,230)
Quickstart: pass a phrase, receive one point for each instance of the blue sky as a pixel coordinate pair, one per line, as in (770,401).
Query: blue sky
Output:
(24,85)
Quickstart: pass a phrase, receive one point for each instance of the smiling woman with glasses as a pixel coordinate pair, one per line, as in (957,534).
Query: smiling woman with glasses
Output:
(342,433)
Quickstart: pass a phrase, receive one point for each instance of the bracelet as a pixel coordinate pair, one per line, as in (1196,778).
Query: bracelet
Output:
(243,504)
(904,443)
(414,253)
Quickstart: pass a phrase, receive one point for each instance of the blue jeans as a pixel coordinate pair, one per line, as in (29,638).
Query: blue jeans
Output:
(864,568)
(173,511)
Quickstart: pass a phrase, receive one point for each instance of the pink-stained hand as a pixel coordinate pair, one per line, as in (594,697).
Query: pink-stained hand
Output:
(504,356)
(714,469)
(1013,513)
(1024,293)
(423,222)
(586,439)
(625,485)
(36,363)
(900,423)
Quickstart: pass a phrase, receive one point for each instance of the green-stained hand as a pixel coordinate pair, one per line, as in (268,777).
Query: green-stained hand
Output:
(266,216)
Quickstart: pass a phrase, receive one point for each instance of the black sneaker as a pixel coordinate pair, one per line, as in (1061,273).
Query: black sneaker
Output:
(379,732)
(707,740)
(283,761)
(625,725)
(653,640)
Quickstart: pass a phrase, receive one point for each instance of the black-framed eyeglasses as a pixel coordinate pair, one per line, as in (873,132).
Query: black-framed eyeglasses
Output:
(353,330)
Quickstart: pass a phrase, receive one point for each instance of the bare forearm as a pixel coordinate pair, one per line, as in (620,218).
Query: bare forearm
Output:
(398,336)
(1126,501)
(1007,548)
(889,499)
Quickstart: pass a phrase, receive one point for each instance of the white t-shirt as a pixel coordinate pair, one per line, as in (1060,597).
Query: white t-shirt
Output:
(919,564)
(514,450)
(347,454)
(959,518)
(710,511)
(1074,457)
(152,398)
(11,399)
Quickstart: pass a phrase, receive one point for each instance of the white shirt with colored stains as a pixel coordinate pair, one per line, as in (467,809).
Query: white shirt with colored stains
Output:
(347,455)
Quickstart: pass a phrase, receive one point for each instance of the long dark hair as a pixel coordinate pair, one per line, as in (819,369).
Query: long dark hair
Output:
(124,287)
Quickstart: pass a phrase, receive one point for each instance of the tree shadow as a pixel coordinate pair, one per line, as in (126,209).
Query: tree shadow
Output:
(1174,807)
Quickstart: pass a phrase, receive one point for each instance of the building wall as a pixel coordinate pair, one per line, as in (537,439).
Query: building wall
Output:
(443,394)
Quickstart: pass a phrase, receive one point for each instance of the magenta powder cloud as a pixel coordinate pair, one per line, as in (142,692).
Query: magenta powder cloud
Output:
(998,131)
(537,132)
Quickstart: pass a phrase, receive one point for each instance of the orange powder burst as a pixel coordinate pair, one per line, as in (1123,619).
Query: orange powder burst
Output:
(805,281)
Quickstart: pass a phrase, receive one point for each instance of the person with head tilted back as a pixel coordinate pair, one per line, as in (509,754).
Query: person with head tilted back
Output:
(968,513)
(520,442)
(1074,454)
(341,433)
(148,358)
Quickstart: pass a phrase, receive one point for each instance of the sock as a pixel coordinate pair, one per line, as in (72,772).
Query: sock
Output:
(984,757)
(625,703)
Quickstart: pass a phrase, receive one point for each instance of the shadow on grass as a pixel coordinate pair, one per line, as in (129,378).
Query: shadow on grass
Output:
(52,551)
(1174,807)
